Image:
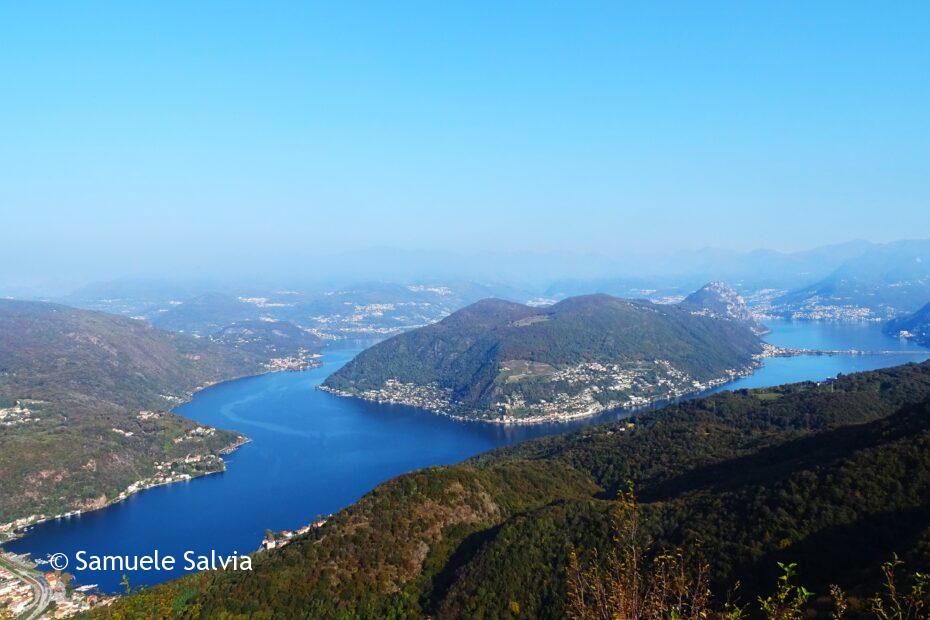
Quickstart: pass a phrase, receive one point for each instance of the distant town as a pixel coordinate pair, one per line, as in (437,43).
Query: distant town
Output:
(592,388)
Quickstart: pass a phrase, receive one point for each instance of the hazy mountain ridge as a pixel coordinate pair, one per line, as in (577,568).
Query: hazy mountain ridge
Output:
(85,398)
(369,309)
(666,277)
(849,281)
(914,326)
(268,338)
(201,315)
(501,361)
(886,281)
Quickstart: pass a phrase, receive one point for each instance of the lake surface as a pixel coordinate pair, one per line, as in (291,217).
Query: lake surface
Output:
(313,453)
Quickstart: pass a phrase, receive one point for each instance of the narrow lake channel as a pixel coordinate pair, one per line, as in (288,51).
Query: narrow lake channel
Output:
(313,453)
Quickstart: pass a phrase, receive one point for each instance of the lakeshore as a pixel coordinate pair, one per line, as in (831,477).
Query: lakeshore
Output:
(207,464)
(214,465)
(312,454)
(674,386)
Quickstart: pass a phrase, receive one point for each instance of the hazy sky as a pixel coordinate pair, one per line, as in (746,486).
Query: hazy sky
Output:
(214,135)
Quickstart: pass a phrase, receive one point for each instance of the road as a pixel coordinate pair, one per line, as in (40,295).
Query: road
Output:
(41,592)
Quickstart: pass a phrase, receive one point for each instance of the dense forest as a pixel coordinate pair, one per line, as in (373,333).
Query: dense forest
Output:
(832,477)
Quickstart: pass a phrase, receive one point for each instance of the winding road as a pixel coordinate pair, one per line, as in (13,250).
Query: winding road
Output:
(41,592)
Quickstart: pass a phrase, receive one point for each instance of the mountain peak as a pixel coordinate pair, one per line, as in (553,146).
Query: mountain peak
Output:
(719,300)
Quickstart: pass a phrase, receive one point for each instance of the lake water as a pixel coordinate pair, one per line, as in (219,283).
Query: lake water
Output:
(313,453)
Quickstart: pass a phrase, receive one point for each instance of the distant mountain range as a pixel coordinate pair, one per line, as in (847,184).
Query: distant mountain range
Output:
(718,300)
(883,282)
(853,281)
(502,361)
(84,401)
(201,315)
(668,277)
(268,338)
(831,478)
(915,326)
(361,310)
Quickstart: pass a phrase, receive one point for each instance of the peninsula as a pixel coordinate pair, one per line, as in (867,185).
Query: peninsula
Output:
(509,363)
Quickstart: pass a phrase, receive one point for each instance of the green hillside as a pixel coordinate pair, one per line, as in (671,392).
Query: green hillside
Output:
(83,405)
(833,476)
(504,361)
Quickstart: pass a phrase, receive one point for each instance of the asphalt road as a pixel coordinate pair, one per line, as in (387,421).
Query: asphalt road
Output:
(41,592)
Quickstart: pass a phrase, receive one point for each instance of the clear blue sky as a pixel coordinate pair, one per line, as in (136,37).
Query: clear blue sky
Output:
(144,136)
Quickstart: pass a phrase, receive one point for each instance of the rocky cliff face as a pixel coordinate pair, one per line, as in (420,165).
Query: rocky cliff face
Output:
(718,300)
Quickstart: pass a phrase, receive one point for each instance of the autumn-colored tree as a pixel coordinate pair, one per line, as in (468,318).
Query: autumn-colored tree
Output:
(632,583)
(895,604)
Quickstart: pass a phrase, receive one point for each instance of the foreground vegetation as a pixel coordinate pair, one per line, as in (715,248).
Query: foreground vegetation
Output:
(832,477)
(633,581)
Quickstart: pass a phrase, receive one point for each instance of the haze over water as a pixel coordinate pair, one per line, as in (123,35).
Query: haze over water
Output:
(313,453)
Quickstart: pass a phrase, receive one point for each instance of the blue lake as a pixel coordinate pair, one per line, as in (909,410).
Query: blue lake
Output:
(313,453)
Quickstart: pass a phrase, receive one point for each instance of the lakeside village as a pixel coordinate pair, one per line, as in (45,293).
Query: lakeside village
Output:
(276,540)
(166,472)
(587,389)
(814,308)
(24,586)
(26,589)
(304,360)
(16,594)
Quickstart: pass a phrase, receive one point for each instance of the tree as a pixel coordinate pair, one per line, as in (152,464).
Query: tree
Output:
(634,585)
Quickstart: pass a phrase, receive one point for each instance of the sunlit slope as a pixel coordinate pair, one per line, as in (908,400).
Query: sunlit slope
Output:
(833,476)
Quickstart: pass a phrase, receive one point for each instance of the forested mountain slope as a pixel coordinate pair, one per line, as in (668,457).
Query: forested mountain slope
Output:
(834,476)
(83,405)
(501,361)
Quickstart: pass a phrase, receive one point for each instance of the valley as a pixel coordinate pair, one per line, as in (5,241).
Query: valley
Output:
(313,454)
(739,470)
(447,311)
